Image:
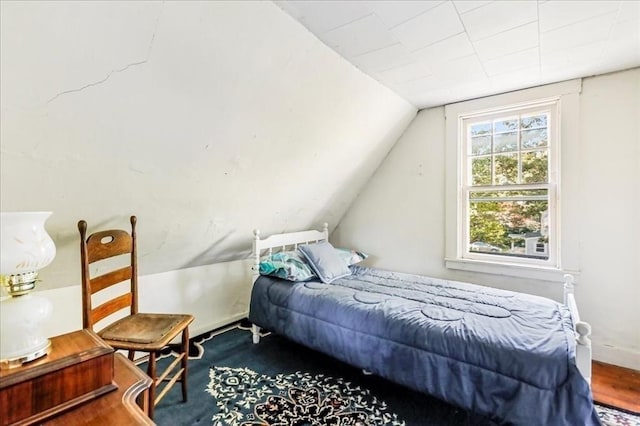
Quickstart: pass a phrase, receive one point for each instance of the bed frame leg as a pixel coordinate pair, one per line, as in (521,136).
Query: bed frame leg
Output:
(255,330)
(582,330)
(583,350)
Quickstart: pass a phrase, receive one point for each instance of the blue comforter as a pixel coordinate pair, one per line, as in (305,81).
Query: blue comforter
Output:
(503,354)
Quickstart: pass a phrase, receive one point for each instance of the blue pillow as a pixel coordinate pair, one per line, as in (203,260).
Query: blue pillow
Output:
(325,261)
(351,257)
(288,265)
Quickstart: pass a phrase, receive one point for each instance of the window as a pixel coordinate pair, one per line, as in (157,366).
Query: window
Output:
(508,184)
(498,193)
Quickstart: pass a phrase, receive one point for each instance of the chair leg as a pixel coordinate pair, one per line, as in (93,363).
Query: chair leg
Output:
(185,358)
(151,372)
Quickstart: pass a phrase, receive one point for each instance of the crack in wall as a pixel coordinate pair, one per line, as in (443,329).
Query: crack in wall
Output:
(116,71)
(95,83)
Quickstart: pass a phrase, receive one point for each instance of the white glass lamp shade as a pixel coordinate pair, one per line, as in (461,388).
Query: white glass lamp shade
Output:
(25,248)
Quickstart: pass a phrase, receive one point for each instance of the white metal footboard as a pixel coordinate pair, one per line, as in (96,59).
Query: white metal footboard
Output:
(581,328)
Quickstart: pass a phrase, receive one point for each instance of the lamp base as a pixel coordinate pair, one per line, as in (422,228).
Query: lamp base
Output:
(21,336)
(6,364)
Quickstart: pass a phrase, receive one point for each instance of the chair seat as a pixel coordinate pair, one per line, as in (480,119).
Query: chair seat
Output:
(145,331)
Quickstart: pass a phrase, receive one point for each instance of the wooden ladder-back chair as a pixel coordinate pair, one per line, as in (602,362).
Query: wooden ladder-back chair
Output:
(144,332)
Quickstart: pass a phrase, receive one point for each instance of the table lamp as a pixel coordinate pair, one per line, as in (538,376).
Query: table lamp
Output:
(25,248)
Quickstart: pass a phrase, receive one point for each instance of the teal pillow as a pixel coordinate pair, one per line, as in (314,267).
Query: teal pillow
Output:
(288,265)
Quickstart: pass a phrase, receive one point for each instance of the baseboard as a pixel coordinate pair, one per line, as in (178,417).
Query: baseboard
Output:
(623,357)
(205,328)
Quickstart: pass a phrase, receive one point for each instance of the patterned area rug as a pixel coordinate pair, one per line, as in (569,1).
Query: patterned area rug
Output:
(277,382)
(611,417)
(246,398)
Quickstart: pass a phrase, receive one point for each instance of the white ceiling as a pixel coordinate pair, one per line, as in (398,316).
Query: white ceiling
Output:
(438,52)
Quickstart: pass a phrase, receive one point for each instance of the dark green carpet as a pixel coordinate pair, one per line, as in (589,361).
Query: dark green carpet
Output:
(275,355)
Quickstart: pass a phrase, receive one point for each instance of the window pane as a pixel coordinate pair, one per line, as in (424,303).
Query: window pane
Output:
(534,167)
(533,122)
(504,223)
(481,171)
(480,129)
(506,169)
(534,138)
(505,125)
(481,145)
(504,142)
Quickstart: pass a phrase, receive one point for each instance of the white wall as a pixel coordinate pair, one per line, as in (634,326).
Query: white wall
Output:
(215,294)
(400,216)
(205,119)
(610,201)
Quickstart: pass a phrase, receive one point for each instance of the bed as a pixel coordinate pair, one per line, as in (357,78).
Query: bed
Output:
(518,358)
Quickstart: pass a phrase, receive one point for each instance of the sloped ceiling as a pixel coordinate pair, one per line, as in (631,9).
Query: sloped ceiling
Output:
(205,119)
(437,52)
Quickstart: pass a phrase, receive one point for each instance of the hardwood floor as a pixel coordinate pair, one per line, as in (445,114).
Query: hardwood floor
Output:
(616,386)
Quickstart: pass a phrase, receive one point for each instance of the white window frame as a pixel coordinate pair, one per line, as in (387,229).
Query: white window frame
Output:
(564,254)
(547,105)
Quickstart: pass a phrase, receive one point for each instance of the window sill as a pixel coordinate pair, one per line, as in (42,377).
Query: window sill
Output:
(521,271)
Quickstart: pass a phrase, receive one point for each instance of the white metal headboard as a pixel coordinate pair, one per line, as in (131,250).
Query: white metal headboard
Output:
(283,241)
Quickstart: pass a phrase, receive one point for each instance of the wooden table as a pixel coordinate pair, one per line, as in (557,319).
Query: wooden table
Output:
(114,408)
(80,382)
